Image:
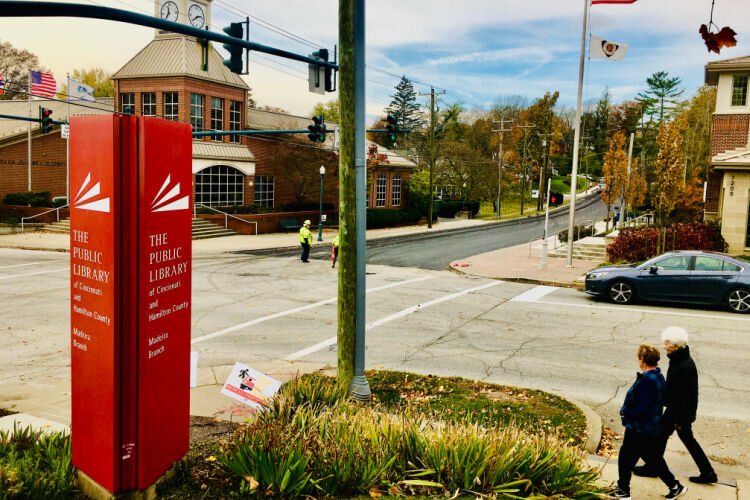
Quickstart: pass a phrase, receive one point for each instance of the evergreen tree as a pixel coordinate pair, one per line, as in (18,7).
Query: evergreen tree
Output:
(404,105)
(661,95)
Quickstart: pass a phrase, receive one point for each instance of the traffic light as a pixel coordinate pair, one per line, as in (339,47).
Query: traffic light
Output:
(317,73)
(234,63)
(45,119)
(391,127)
(317,129)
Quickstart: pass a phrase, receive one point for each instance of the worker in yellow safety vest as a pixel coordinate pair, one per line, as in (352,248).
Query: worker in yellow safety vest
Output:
(334,251)
(305,239)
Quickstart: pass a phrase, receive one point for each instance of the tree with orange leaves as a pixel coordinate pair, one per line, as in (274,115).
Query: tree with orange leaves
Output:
(615,172)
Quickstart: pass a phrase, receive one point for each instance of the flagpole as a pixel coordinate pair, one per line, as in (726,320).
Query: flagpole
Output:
(67,146)
(29,137)
(577,135)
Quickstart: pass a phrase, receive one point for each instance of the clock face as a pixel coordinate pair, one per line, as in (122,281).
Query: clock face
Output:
(196,15)
(169,11)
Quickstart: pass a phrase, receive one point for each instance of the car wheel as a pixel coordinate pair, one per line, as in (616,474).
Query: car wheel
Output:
(738,300)
(621,292)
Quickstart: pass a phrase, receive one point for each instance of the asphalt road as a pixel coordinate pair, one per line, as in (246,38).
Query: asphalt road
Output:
(438,250)
(279,316)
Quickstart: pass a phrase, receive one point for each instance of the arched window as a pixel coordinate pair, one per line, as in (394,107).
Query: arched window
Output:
(219,185)
(380,191)
(396,190)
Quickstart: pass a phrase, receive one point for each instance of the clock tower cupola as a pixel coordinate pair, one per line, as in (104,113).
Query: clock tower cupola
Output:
(195,13)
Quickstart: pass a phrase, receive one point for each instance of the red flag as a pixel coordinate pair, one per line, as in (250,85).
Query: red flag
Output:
(595,2)
(43,84)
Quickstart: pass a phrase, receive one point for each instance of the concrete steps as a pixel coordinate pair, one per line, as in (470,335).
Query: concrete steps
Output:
(591,248)
(62,227)
(202,229)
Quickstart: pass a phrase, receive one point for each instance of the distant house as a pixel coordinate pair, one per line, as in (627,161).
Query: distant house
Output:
(728,185)
(168,79)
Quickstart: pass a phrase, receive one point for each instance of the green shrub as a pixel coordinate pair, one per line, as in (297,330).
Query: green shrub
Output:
(349,449)
(35,465)
(579,231)
(385,217)
(450,208)
(29,198)
(639,244)
(312,441)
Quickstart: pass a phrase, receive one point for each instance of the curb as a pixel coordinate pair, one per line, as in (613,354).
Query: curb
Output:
(593,424)
(529,281)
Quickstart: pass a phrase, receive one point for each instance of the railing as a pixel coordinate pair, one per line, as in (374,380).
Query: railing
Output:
(56,210)
(226,216)
(556,240)
(639,221)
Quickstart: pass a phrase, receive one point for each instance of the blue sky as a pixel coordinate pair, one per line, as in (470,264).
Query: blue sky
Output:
(477,50)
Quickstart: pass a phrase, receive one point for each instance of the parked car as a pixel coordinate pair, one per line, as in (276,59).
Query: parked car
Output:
(688,277)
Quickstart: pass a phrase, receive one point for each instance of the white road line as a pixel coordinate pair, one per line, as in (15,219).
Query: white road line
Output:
(534,294)
(404,312)
(626,308)
(29,264)
(281,314)
(33,274)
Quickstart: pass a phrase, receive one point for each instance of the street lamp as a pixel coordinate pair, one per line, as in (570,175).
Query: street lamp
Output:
(464,196)
(320,218)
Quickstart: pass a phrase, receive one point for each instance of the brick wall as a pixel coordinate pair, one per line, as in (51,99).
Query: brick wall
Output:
(295,167)
(267,223)
(48,171)
(184,86)
(729,132)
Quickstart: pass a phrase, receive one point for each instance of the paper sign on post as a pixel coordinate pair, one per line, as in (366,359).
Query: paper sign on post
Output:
(249,386)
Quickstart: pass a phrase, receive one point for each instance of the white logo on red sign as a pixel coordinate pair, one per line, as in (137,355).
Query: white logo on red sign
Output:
(166,202)
(86,193)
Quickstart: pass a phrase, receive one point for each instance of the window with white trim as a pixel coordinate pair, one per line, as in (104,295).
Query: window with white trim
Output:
(217,116)
(739,90)
(127,103)
(380,191)
(235,119)
(396,190)
(148,104)
(196,111)
(171,108)
(219,185)
(264,185)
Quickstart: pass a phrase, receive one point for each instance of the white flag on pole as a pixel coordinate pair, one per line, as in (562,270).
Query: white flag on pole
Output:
(78,91)
(600,48)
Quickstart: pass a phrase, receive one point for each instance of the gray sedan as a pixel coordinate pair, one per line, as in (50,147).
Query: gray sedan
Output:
(689,277)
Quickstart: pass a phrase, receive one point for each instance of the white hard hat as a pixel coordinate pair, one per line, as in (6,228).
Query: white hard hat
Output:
(307,222)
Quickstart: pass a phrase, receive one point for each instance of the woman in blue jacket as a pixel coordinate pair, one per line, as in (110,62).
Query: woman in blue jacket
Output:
(641,415)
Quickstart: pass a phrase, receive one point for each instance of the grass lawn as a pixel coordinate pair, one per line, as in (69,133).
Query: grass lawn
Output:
(743,257)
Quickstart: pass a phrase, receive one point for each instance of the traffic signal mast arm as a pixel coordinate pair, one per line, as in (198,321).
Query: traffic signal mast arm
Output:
(12,8)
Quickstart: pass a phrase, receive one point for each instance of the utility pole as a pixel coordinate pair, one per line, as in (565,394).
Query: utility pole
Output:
(352,187)
(542,195)
(523,164)
(432,153)
(501,131)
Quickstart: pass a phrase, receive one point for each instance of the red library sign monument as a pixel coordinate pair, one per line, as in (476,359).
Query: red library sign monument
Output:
(130,241)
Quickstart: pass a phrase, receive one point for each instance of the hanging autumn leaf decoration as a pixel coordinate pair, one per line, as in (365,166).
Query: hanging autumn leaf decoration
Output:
(723,37)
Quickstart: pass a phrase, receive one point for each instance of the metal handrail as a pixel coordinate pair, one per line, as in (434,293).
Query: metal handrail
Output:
(226,216)
(46,212)
(649,218)
(556,240)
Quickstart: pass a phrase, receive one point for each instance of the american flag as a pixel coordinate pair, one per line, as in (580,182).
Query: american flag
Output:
(595,2)
(43,84)
(2,84)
